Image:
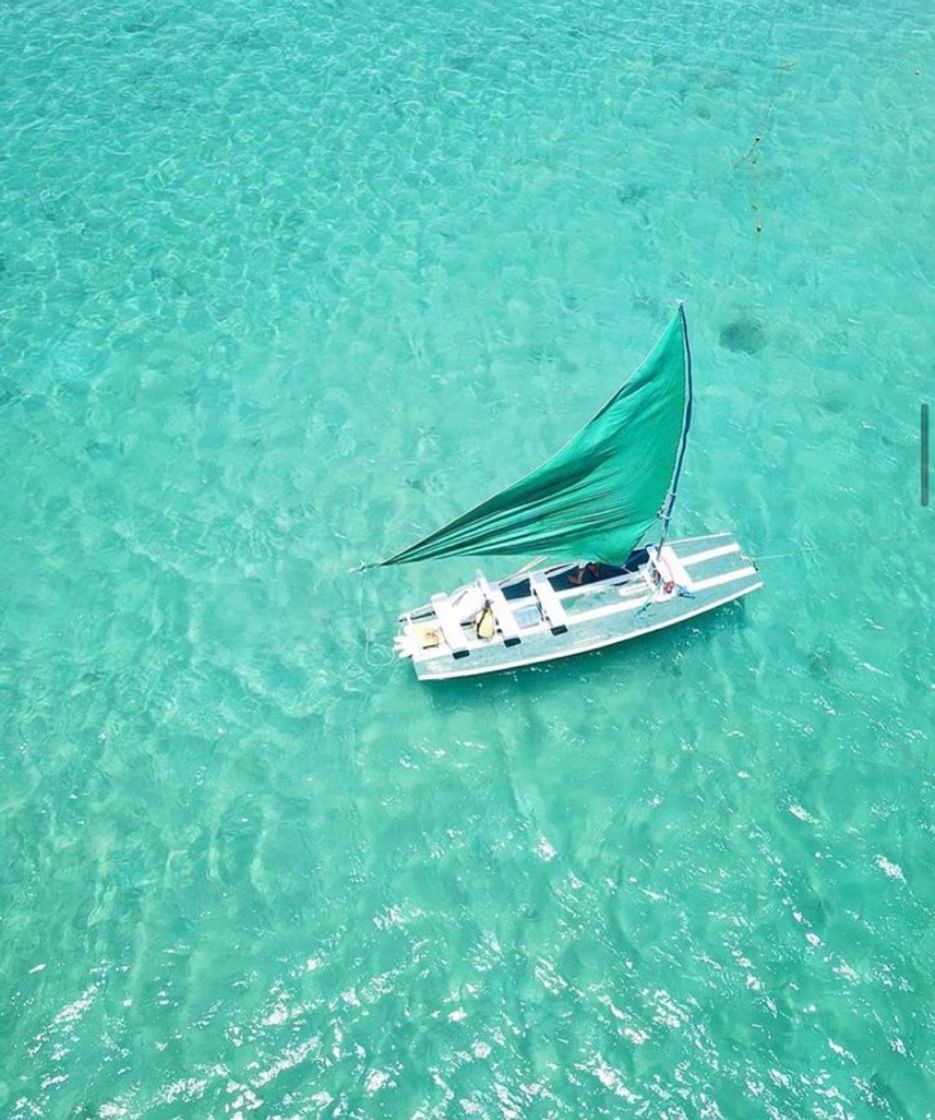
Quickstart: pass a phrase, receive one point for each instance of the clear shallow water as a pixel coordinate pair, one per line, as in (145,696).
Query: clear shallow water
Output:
(281,287)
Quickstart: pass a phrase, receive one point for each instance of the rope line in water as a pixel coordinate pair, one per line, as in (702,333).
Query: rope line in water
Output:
(385,658)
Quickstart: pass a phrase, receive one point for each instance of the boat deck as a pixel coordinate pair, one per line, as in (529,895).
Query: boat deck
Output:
(542,615)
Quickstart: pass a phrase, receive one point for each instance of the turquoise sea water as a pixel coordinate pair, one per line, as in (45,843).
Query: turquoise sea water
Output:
(282,286)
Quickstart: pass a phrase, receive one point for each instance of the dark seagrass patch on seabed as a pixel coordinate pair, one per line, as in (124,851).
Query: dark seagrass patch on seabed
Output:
(832,402)
(743,335)
(10,391)
(631,193)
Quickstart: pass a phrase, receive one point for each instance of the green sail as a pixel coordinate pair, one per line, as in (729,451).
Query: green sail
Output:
(598,497)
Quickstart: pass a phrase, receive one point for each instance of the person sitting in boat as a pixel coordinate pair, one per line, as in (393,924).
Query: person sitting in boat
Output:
(591,570)
(594,570)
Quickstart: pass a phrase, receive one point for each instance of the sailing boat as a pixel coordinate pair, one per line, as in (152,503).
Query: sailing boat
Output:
(599,509)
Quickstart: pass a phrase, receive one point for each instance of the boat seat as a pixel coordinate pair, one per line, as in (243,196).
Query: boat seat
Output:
(550,604)
(451,626)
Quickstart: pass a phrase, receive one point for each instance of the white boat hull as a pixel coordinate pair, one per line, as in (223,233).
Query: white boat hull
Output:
(540,616)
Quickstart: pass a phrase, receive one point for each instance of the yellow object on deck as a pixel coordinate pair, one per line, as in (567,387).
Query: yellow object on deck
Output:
(485,625)
(427,636)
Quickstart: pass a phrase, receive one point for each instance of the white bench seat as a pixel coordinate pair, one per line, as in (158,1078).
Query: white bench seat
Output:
(451,626)
(549,603)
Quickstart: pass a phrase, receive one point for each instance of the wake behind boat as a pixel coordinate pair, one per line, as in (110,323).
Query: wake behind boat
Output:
(591,505)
